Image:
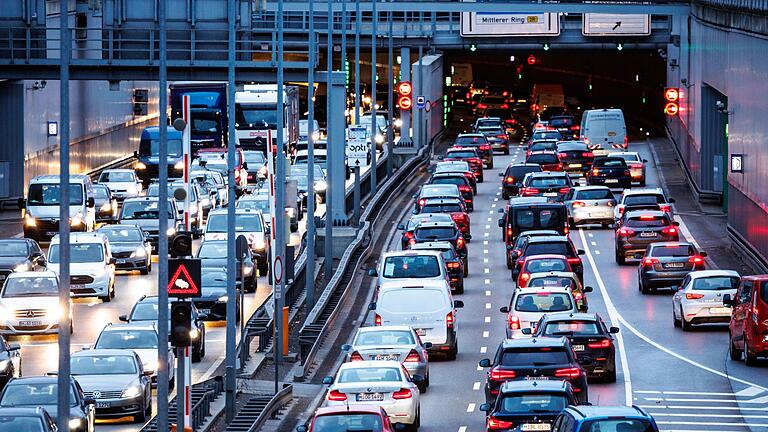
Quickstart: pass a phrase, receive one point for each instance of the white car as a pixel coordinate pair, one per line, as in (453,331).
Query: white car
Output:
(123,183)
(249,223)
(529,304)
(142,338)
(645,196)
(383,383)
(29,304)
(91,269)
(699,298)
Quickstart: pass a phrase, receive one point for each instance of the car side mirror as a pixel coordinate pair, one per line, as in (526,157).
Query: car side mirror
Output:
(485,407)
(671,200)
(427,345)
(504,309)
(123,318)
(401,227)
(484,363)
(501,174)
(728,300)
(702,254)
(346,347)
(91,202)
(580,252)
(501,223)
(372,306)
(302,428)
(501,210)
(244,166)
(458,304)
(527,331)
(13,346)
(372,272)
(89,401)
(328,380)
(468,236)
(588,289)
(613,330)
(676,223)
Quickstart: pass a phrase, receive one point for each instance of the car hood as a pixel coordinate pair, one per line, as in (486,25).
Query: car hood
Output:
(152,224)
(11,262)
(51,211)
(120,382)
(37,302)
(74,412)
(124,247)
(147,355)
(119,185)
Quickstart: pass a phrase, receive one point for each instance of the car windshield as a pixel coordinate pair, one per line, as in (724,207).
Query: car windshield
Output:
(647,222)
(716,283)
(11,248)
(122,235)
(175,148)
(593,194)
(79,253)
(470,140)
(217,223)
(255,116)
(419,266)
(117,176)
(490,130)
(369,374)
(146,311)
(629,157)
(441,208)
(532,403)
(142,210)
(413,301)
(384,337)
(552,282)
(435,233)
(21,393)
(347,422)
(17,423)
(100,192)
(543,146)
(544,302)
(554,248)
(644,199)
(30,286)
(127,339)
(452,167)
(542,265)
(561,121)
(578,328)
(549,181)
(617,425)
(534,356)
(481,123)
(672,251)
(254,157)
(253,204)
(212,250)
(48,194)
(103,365)
(461,154)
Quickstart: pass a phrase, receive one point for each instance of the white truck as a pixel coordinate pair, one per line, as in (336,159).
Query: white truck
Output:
(256,116)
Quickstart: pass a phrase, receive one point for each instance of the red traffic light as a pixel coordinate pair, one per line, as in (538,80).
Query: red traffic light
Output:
(405,102)
(531,60)
(671,94)
(404,88)
(671,109)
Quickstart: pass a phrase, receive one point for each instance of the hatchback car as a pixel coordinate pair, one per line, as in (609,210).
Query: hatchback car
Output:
(469,155)
(212,302)
(667,263)
(452,206)
(546,159)
(609,171)
(748,328)
(350,417)
(461,167)
(575,156)
(559,245)
(590,204)
(427,192)
(512,178)
(409,227)
(42,392)
(105,204)
(461,182)
(430,231)
(516,246)
(130,247)
(637,229)
(534,359)
(391,343)
(528,305)
(496,136)
(528,405)
(551,185)
(699,298)
(143,339)
(541,146)
(566,125)
(29,302)
(213,255)
(644,196)
(123,183)
(563,279)
(541,264)
(479,142)
(457,268)
(636,165)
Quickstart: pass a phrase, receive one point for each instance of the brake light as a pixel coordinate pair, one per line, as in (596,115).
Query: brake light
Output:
(459,217)
(648,262)
(449,320)
(465,188)
(509,234)
(524,277)
(595,171)
(696,260)
(501,136)
(469,95)
(413,356)
(626,141)
(403,393)
(337,396)
(637,165)
(577,127)
(422,202)
(485,147)
(475,160)
(573,372)
(646,217)
(468,175)
(506,93)
(408,235)
(513,322)
(460,243)
(526,191)
(412,241)
(579,204)
(605,343)
(664,207)
(564,190)
(453,265)
(578,295)
(669,230)
(693,296)
(621,210)
(501,375)
(504,106)
(355,357)
(588,154)
(494,423)
(482,106)
(509,179)
(626,172)
(510,121)
(574,260)
(625,231)
(377,319)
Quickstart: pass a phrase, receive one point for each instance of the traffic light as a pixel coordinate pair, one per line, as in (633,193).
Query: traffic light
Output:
(404,90)
(181,245)
(672,96)
(181,323)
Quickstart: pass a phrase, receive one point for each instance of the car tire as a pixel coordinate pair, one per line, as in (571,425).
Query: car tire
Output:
(734,352)
(144,271)
(643,288)
(749,359)
(453,352)
(620,259)
(675,321)
(142,416)
(422,388)
(426,380)
(686,326)
(506,151)
(466,270)
(571,222)
(610,376)
(480,180)
(642,182)
(460,288)
(505,195)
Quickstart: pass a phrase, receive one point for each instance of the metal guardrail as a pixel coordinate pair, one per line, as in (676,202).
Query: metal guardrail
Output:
(754,6)
(203,393)
(260,409)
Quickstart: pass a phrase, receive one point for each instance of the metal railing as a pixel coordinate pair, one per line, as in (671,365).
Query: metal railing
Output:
(752,6)
(203,394)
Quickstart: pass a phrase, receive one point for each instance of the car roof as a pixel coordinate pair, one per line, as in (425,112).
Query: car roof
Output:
(709,273)
(576,316)
(370,363)
(548,239)
(520,201)
(103,351)
(563,274)
(410,252)
(38,379)
(433,245)
(592,411)
(143,325)
(536,290)
(119,170)
(545,256)
(638,213)
(237,211)
(539,233)
(470,135)
(414,283)
(348,409)
(435,224)
(82,237)
(523,164)
(534,342)
(22,411)
(533,386)
(643,191)
(542,152)
(384,328)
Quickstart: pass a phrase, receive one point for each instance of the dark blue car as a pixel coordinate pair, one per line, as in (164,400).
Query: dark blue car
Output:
(604,418)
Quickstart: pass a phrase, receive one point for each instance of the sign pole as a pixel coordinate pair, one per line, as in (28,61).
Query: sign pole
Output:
(186,138)
(356,213)
(310,269)
(181,399)
(374,123)
(279,284)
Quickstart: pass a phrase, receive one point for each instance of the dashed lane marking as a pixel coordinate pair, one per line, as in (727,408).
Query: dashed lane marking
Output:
(486,334)
(593,243)
(476,386)
(483,350)
(463,429)
(487,293)
(485,242)
(487,227)
(487,270)
(597,252)
(487,319)
(485,251)
(485,260)
(487,305)
(487,281)
(471,408)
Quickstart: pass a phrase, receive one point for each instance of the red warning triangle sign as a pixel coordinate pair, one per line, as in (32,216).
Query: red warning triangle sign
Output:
(181,283)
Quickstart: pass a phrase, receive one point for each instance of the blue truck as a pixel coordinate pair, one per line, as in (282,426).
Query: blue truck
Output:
(208,106)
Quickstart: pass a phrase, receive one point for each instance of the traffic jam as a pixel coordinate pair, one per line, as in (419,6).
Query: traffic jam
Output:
(558,216)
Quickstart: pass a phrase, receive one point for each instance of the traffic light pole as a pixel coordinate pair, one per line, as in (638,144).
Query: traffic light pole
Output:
(181,389)
(356,192)
(374,123)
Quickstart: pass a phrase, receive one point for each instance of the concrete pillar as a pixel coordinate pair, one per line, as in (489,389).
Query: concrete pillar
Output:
(337,146)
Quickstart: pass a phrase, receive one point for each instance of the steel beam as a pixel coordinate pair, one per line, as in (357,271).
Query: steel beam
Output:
(230,382)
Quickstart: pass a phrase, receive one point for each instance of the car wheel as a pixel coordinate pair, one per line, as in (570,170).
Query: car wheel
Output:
(505,195)
(685,324)
(506,151)
(466,269)
(144,271)
(196,356)
(643,288)
(460,288)
(71,327)
(422,387)
(610,376)
(426,380)
(642,182)
(454,351)
(750,359)
(620,258)
(675,321)
(141,417)
(571,222)
(734,352)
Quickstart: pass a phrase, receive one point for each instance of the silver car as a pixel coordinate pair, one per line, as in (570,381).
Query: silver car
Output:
(699,298)
(590,205)
(394,343)
(115,379)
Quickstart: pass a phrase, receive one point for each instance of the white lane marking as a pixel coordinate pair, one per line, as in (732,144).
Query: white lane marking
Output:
(485,260)
(490,211)
(614,316)
(486,334)
(597,252)
(495,200)
(699,415)
(612,312)
(463,429)
(483,350)
(590,234)
(471,408)
(212,369)
(485,251)
(487,234)
(487,270)
(492,206)
(593,243)
(761,400)
(696,407)
(489,219)
(487,227)
(487,319)
(487,281)
(487,293)
(476,386)
(686,233)
(487,305)
(485,242)
(747,392)
(684,423)
(498,193)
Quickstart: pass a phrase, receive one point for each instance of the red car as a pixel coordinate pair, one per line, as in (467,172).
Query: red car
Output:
(370,418)
(548,160)
(541,264)
(748,329)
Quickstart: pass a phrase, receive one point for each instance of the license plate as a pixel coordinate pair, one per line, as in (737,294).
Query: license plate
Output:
(205,311)
(541,378)
(612,181)
(385,357)
(536,427)
(77,286)
(50,233)
(648,234)
(578,347)
(720,310)
(674,265)
(26,323)
(103,405)
(365,397)
(421,332)
(122,261)
(550,194)
(574,165)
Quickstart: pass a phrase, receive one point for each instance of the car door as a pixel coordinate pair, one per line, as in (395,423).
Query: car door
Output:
(740,312)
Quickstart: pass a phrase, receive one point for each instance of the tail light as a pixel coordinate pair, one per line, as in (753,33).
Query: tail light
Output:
(564,190)
(465,188)
(510,121)
(586,140)
(501,136)
(509,234)
(595,172)
(460,243)
(355,357)
(422,202)
(625,232)
(506,93)
(696,260)
(587,154)
(337,396)
(509,180)
(403,393)
(468,175)
(482,106)
(693,296)
(579,204)
(527,191)
(501,375)
(408,235)
(449,320)
(485,147)
(573,372)
(605,343)
(578,295)
(562,155)
(469,95)
(476,160)
(504,106)
(412,241)
(573,261)
(513,322)
(459,217)
(524,278)
(636,165)
(664,207)
(649,262)
(626,141)
(621,211)
(577,127)
(453,265)
(412,357)
(566,229)
(626,172)
(377,319)
(669,230)
(560,168)
(494,423)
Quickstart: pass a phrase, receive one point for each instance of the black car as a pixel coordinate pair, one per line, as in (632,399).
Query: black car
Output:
(30,419)
(18,255)
(532,359)
(455,265)
(462,182)
(479,142)
(407,228)
(545,245)
(575,156)
(42,391)
(455,207)
(519,243)
(513,177)
(566,125)
(637,229)
(590,338)
(666,264)
(528,405)
(431,231)
(213,301)
(471,156)
(550,184)
(130,247)
(105,204)
(609,171)
(146,309)
(497,137)
(213,255)
(10,361)
(534,213)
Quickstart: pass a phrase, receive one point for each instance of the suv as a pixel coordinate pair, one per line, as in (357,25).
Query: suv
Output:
(534,213)
(637,229)
(667,264)
(604,418)
(249,223)
(469,155)
(528,305)
(512,178)
(428,192)
(560,245)
(430,231)
(123,183)
(529,405)
(532,360)
(551,184)
(458,179)
(644,196)
(144,212)
(748,329)
(409,227)
(547,159)
(92,268)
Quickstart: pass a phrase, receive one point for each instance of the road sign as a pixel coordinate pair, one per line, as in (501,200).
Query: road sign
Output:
(277,269)
(421,101)
(357,146)
(489,24)
(596,24)
(185,278)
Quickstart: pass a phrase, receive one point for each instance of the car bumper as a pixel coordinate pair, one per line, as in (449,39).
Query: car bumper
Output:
(116,408)
(699,312)
(610,182)
(35,326)
(399,411)
(655,278)
(45,230)
(134,263)
(438,347)
(216,310)
(99,287)
(592,214)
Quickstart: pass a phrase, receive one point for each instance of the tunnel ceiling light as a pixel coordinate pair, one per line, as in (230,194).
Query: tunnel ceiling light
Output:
(512,58)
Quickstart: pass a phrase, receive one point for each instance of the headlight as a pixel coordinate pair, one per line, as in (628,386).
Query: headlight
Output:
(77,220)
(140,166)
(106,207)
(205,202)
(23,267)
(75,423)
(151,366)
(54,312)
(140,252)
(30,221)
(398,123)
(379,139)
(171,231)
(321,186)
(132,190)
(179,165)
(259,244)
(131,391)
(4,364)
(223,299)
(194,334)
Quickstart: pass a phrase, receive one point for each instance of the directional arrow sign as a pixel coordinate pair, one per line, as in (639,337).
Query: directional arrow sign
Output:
(185,278)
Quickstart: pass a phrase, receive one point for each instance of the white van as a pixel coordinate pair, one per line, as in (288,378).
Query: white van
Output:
(91,268)
(604,131)
(426,306)
(41,208)
(411,266)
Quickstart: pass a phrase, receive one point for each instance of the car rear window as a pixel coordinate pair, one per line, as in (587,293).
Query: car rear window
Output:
(552,281)
(610,162)
(470,140)
(413,300)
(534,356)
(439,191)
(672,251)
(647,222)
(532,403)
(593,194)
(644,199)
(520,171)
(567,328)
(461,154)
(458,181)
(572,147)
(441,208)
(550,181)
(434,233)
(548,218)
(384,337)
(628,157)
(561,122)
(542,146)
(419,266)
(544,302)
(369,374)
(546,265)
(716,283)
(617,425)
(555,248)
